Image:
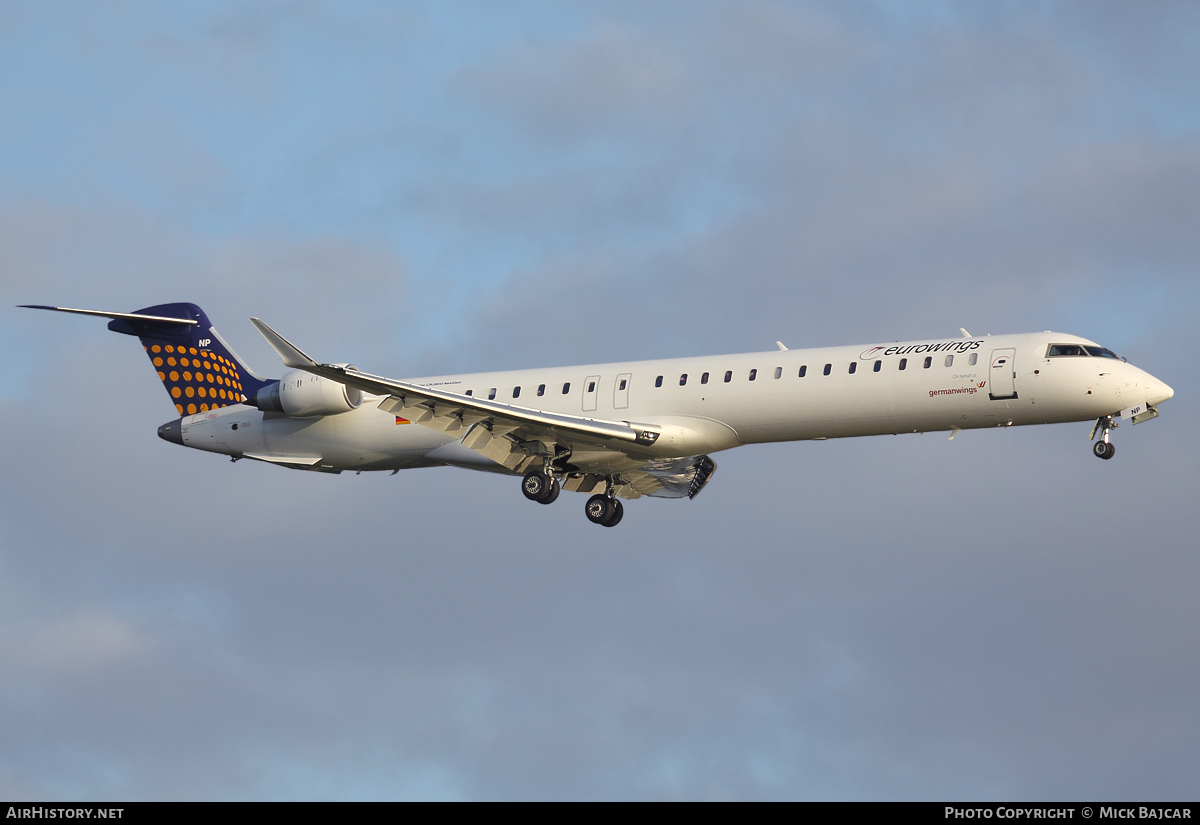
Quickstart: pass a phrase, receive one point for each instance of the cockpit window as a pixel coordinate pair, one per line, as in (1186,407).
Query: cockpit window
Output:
(1056,350)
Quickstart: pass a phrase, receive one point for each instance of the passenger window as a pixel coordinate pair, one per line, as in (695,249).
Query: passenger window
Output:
(683,379)
(828,368)
(949,360)
(566,388)
(973,359)
(853,367)
(591,386)
(753,374)
(728,376)
(470,392)
(928,362)
(658,381)
(516,392)
(492,394)
(622,387)
(903,363)
(541,390)
(779,372)
(803,370)
(878,365)
(704,378)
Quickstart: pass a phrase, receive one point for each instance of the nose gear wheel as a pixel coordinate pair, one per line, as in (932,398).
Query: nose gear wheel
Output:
(1104,448)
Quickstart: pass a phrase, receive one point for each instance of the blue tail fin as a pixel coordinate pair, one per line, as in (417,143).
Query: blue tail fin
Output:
(196,366)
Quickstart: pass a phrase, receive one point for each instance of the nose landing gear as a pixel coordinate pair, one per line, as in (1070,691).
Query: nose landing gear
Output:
(1104,448)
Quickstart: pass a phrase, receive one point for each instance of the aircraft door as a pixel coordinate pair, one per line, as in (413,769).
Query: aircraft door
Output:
(590,390)
(1002,375)
(621,391)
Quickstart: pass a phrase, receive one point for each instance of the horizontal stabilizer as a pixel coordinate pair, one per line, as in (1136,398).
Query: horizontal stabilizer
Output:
(117,316)
(198,369)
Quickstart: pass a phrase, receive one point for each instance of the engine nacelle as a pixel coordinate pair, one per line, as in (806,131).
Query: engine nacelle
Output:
(301,394)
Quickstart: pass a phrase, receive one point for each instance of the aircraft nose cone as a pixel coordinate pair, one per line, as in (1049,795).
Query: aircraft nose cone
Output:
(172,431)
(1159,392)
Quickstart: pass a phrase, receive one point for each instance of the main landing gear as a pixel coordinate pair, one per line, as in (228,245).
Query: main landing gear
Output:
(603,509)
(1104,448)
(540,487)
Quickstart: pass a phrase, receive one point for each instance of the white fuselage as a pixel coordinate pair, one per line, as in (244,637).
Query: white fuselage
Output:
(968,383)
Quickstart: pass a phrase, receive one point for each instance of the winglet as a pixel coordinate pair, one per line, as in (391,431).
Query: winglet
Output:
(291,356)
(782,348)
(964,332)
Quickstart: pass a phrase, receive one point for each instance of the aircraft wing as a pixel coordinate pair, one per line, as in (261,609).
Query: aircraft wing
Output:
(514,436)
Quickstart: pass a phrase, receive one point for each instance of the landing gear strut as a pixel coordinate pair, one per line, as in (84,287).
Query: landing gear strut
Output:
(1104,448)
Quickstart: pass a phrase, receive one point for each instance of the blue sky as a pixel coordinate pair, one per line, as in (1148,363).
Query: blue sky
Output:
(421,188)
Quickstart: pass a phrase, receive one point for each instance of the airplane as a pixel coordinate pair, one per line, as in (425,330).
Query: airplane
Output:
(620,430)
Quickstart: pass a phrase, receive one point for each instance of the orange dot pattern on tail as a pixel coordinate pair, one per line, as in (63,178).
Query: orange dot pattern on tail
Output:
(201,380)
